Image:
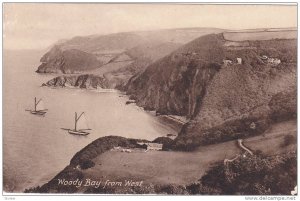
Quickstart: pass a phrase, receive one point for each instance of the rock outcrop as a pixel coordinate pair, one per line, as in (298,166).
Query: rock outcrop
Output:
(80,81)
(175,83)
(67,61)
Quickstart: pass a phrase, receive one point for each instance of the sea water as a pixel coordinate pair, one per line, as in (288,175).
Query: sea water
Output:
(35,148)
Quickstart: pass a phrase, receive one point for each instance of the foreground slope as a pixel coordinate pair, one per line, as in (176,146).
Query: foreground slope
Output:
(199,172)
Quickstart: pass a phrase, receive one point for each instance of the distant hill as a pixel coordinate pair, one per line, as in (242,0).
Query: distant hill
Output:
(67,61)
(134,45)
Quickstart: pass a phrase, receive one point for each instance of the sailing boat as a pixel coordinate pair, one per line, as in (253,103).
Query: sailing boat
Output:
(81,127)
(39,108)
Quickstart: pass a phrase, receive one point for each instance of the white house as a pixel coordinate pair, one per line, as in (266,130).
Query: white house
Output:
(274,61)
(154,146)
(239,60)
(126,150)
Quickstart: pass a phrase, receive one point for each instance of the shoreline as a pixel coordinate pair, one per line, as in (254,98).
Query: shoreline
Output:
(100,155)
(175,122)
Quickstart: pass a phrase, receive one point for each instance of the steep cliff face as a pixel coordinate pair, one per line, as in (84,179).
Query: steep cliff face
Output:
(67,61)
(176,83)
(82,81)
(217,96)
(245,99)
(281,107)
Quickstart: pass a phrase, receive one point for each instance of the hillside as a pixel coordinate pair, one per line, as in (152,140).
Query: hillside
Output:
(236,91)
(117,48)
(204,81)
(67,61)
(196,82)
(103,160)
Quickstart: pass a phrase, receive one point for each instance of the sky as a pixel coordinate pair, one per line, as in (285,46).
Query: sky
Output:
(38,25)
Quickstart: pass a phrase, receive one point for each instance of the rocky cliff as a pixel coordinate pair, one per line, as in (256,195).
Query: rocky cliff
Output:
(85,81)
(168,85)
(219,84)
(67,61)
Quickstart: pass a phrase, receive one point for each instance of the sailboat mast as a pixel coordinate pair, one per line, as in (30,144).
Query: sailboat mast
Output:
(75,120)
(34,103)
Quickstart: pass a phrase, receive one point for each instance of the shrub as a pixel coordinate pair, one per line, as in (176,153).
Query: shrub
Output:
(288,140)
(165,141)
(86,163)
(253,175)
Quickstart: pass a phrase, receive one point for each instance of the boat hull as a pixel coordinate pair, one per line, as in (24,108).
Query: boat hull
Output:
(73,132)
(37,112)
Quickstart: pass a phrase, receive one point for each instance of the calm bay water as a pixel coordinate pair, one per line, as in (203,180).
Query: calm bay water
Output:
(35,149)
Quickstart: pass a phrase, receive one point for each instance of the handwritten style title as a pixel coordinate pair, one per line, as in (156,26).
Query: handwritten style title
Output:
(98,183)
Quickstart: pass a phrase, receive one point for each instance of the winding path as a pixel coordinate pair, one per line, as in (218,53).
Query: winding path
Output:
(240,142)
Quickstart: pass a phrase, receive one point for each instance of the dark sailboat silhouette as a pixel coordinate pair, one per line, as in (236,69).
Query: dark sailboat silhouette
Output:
(39,108)
(81,127)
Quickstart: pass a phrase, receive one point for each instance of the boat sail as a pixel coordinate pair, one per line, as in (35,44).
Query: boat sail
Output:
(82,123)
(39,108)
(81,126)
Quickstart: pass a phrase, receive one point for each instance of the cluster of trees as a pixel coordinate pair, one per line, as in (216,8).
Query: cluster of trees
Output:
(251,175)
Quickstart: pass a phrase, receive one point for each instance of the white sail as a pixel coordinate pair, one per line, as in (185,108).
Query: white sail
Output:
(82,123)
(40,106)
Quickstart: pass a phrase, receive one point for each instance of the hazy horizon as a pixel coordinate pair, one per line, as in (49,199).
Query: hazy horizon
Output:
(36,26)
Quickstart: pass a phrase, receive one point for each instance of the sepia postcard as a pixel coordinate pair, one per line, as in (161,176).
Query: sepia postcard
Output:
(149,99)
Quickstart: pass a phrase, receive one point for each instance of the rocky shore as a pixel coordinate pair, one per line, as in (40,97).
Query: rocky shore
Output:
(85,81)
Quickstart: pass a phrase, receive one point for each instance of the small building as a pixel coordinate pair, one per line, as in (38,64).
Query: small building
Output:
(126,150)
(117,148)
(152,146)
(274,61)
(171,136)
(239,60)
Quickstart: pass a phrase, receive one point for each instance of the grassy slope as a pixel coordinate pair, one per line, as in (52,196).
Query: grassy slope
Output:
(263,35)
(159,169)
(182,168)
(186,167)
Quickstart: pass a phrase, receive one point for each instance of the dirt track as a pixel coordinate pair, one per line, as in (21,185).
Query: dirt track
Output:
(165,167)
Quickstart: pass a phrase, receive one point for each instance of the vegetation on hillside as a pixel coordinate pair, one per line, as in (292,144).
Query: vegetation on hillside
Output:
(67,61)
(282,107)
(251,175)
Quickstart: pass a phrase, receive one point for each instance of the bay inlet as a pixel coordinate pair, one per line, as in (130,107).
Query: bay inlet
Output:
(35,149)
